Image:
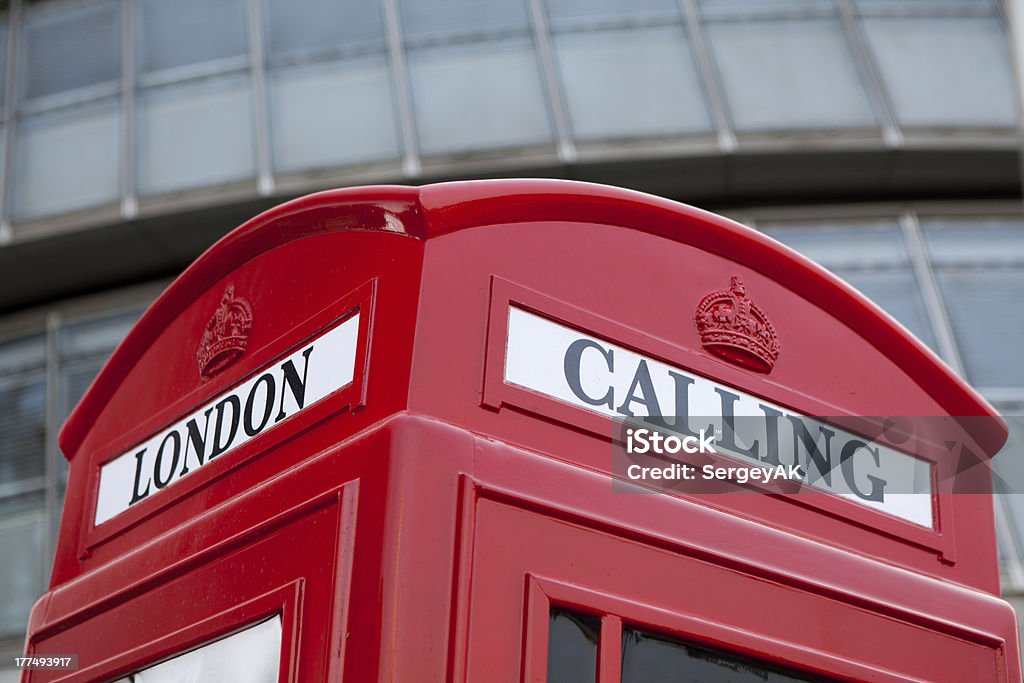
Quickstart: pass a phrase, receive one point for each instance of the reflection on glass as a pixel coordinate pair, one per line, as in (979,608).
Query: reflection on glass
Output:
(646,658)
(572,647)
(249,656)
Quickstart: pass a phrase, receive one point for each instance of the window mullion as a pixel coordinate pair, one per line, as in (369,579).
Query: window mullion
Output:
(934,306)
(52,455)
(609,650)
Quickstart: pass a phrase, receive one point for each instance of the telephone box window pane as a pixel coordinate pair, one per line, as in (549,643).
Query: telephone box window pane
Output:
(438,18)
(67,160)
(789,74)
(979,266)
(647,658)
(195,136)
(946,71)
(631,83)
(307,26)
(460,106)
(183,32)
(332,114)
(572,647)
(66,49)
(21,563)
(249,656)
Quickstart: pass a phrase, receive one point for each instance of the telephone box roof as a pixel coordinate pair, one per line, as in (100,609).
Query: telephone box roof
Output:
(427,212)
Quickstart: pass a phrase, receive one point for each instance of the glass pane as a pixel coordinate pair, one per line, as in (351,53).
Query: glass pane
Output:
(845,246)
(3,58)
(631,83)
(67,160)
(946,71)
(898,294)
(601,10)
(249,656)
(21,354)
(789,74)
(871,257)
(195,135)
(756,10)
(21,564)
(1008,484)
(22,426)
(460,105)
(180,32)
(434,18)
(298,26)
(572,647)
(979,265)
(928,5)
(332,114)
(647,658)
(743,4)
(75,378)
(67,48)
(992,241)
(96,336)
(988,322)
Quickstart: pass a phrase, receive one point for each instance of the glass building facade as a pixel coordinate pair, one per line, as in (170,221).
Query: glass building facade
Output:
(880,138)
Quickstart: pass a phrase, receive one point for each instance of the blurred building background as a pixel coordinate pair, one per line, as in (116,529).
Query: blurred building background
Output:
(879,137)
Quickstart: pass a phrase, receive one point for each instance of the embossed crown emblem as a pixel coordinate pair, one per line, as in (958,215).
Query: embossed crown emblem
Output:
(226,335)
(732,327)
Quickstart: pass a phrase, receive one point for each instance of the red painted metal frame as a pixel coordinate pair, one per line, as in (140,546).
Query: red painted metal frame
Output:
(497,393)
(368,506)
(350,397)
(834,577)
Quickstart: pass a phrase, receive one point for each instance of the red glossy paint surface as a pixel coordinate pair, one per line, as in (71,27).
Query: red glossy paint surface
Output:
(416,525)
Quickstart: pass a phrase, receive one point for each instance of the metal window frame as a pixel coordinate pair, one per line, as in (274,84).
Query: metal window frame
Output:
(50,322)
(726,138)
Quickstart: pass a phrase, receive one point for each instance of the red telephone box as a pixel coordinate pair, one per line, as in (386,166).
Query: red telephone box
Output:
(372,435)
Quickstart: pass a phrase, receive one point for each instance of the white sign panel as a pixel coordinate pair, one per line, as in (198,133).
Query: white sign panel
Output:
(265,399)
(593,374)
